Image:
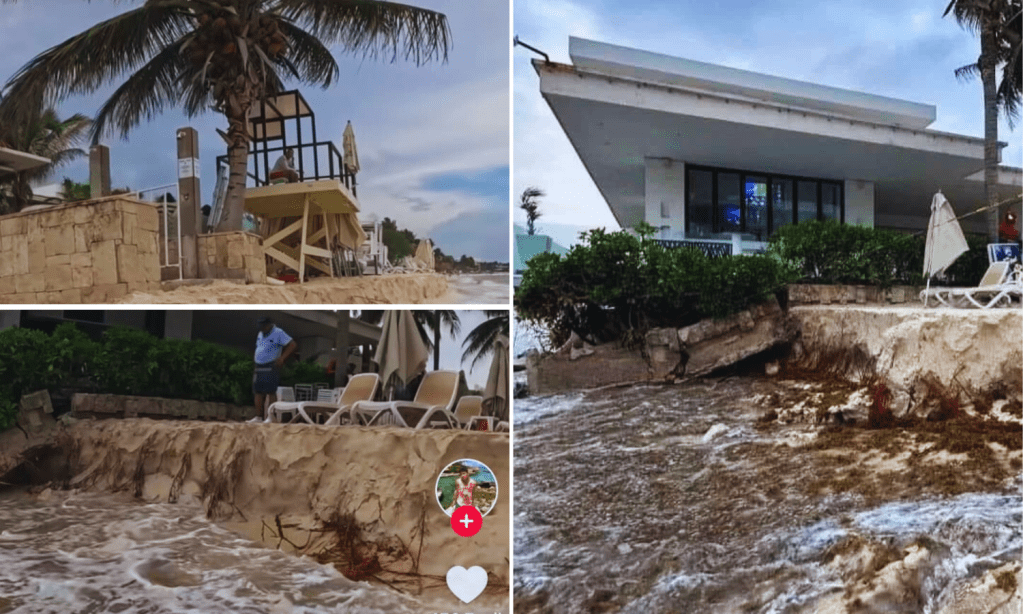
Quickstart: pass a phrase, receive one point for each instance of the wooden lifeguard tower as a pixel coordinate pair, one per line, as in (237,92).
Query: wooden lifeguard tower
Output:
(311,225)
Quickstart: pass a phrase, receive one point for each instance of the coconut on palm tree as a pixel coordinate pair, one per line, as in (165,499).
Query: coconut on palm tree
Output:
(997,22)
(223,55)
(42,134)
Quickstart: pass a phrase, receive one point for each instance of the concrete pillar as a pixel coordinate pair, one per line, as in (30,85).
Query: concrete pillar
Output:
(10,319)
(341,340)
(178,325)
(190,200)
(664,196)
(99,171)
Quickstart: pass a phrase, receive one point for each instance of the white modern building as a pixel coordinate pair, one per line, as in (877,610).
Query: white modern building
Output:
(711,153)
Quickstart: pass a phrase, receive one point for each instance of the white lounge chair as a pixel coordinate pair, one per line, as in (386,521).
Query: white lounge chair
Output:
(467,407)
(1000,284)
(362,387)
(432,407)
(285,403)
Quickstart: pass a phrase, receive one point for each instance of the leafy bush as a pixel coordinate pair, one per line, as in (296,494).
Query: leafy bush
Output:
(832,253)
(617,285)
(126,361)
(303,373)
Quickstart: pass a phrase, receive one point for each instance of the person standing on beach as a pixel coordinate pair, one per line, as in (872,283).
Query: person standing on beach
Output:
(273,346)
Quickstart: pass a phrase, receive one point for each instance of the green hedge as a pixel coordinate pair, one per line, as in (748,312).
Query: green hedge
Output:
(127,361)
(617,285)
(832,253)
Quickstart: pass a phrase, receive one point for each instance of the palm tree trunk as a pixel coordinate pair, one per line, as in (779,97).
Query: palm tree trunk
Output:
(988,48)
(237,111)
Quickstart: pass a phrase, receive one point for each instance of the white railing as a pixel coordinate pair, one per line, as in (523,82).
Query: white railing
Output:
(158,196)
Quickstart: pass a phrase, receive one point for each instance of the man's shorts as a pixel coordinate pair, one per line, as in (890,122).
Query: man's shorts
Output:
(266,379)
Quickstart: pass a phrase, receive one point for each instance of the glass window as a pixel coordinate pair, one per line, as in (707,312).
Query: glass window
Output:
(807,200)
(700,203)
(756,206)
(831,204)
(781,212)
(729,209)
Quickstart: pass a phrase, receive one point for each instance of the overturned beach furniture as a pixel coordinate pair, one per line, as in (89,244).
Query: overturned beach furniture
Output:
(308,224)
(1001,284)
(432,407)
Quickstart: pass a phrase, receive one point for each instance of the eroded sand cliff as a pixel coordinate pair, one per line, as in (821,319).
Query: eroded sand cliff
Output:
(361,499)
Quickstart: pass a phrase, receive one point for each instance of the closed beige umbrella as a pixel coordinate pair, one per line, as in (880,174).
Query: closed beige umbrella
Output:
(401,352)
(351,161)
(945,240)
(424,254)
(495,394)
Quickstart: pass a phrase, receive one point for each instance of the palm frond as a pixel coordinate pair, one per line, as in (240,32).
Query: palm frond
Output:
(374,28)
(144,95)
(84,62)
(480,340)
(309,58)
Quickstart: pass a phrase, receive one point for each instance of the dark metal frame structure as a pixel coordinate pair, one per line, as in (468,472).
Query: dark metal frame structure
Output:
(770,178)
(273,130)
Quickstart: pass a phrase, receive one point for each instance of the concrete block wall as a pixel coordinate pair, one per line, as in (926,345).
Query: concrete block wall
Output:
(90,252)
(232,255)
(85,405)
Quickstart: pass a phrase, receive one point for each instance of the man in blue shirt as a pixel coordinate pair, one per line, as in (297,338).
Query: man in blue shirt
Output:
(273,346)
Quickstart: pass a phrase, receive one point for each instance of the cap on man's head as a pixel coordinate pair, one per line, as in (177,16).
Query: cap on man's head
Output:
(263,321)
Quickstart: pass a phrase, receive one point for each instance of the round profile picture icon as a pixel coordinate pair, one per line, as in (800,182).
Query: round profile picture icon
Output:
(466,482)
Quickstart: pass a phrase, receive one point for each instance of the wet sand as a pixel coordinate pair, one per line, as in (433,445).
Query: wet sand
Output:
(475,289)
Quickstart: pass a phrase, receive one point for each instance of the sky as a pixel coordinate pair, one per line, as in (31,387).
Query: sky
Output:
(451,350)
(898,49)
(433,140)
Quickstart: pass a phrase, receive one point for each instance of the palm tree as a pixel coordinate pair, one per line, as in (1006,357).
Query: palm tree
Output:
(993,20)
(481,339)
(529,202)
(42,134)
(434,321)
(224,55)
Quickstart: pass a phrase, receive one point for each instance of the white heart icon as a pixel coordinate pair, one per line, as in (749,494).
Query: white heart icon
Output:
(467,584)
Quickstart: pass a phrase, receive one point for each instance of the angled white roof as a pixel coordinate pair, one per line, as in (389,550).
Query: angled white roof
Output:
(651,67)
(13,161)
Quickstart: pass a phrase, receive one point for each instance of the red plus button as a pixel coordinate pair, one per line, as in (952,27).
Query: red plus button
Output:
(467,521)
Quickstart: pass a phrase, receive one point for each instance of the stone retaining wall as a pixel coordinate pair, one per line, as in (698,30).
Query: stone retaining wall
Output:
(819,294)
(90,252)
(232,255)
(84,405)
(671,353)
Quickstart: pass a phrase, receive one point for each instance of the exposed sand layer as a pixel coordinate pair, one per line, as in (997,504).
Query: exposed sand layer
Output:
(368,289)
(973,356)
(361,499)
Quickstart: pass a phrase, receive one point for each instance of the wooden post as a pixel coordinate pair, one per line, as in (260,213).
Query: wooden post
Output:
(189,200)
(301,246)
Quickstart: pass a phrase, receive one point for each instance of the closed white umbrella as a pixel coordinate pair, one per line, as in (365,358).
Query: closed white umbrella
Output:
(495,394)
(945,240)
(401,352)
(351,153)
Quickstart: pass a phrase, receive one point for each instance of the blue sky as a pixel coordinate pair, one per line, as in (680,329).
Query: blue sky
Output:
(899,49)
(433,140)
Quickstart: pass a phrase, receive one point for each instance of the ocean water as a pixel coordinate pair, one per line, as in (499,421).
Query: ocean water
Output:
(671,499)
(63,552)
